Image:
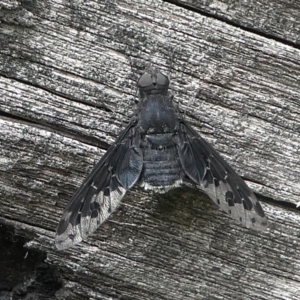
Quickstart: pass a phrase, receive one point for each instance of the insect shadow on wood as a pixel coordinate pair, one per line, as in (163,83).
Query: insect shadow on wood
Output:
(158,150)
(184,206)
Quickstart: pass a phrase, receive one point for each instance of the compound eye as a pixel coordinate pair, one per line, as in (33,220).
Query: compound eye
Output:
(162,80)
(145,80)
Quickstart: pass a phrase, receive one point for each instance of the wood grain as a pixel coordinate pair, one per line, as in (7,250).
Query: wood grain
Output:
(278,19)
(68,76)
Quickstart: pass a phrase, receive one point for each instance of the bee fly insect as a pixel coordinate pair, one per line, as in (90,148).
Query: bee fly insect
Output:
(158,150)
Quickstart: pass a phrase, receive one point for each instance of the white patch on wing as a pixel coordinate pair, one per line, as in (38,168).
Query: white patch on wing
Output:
(249,218)
(69,238)
(107,205)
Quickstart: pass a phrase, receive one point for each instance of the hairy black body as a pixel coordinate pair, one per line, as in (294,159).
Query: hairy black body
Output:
(158,150)
(159,125)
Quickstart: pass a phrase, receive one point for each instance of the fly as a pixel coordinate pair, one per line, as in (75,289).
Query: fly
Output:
(158,150)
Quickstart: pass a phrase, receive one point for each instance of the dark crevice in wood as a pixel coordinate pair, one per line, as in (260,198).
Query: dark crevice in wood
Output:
(253,115)
(64,95)
(232,23)
(53,92)
(278,203)
(24,224)
(252,180)
(272,201)
(25,275)
(17,118)
(91,141)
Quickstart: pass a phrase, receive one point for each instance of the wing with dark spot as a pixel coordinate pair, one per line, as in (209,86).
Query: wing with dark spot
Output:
(205,167)
(101,192)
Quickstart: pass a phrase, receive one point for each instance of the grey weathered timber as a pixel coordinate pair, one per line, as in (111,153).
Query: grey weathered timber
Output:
(278,19)
(68,74)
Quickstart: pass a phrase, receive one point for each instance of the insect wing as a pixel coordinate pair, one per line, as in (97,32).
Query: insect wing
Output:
(101,192)
(205,167)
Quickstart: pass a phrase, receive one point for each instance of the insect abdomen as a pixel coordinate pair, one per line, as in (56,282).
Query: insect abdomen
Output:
(162,169)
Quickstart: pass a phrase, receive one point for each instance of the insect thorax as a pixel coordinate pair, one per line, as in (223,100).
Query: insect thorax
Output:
(157,115)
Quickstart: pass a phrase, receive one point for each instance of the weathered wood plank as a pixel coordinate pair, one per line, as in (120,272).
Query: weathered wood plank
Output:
(224,71)
(173,246)
(67,83)
(277,19)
